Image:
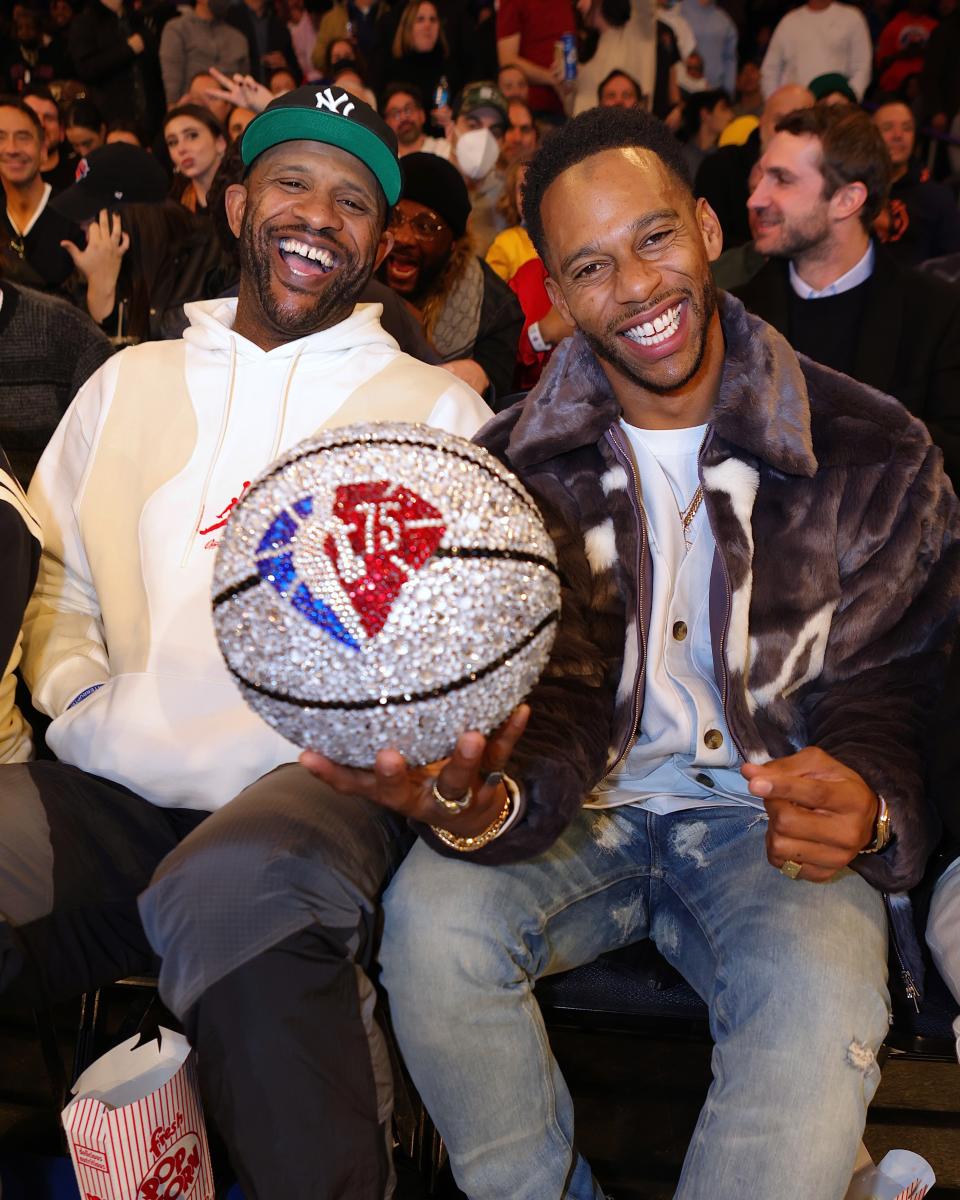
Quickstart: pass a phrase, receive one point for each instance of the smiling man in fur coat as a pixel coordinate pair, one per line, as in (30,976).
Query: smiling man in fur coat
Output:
(760,578)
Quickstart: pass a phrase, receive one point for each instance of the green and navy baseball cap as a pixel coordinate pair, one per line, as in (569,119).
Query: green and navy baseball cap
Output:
(484,94)
(335,117)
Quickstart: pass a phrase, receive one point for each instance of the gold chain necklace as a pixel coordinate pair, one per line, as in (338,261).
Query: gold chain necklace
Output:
(687,515)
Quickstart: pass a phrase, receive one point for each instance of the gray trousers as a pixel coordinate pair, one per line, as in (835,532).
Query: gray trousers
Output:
(265,918)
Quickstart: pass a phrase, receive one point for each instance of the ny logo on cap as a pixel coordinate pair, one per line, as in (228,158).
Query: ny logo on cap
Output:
(342,105)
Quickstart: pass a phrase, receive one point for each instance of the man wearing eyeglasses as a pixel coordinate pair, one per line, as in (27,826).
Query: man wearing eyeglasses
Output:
(403,111)
(468,313)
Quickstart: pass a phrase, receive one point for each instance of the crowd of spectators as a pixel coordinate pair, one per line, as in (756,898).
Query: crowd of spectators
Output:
(472,83)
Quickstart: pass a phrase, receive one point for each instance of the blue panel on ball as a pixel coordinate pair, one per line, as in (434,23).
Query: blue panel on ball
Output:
(304,507)
(279,572)
(279,533)
(319,614)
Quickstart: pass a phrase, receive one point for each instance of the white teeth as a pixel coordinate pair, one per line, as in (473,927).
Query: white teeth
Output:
(651,333)
(314,253)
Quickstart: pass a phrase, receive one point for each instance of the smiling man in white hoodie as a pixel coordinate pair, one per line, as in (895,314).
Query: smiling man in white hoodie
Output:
(264,913)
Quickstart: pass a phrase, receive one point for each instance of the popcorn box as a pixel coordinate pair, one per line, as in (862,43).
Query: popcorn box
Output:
(135,1126)
(900,1175)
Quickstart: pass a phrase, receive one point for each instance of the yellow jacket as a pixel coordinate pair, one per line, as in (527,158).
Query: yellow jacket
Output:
(509,251)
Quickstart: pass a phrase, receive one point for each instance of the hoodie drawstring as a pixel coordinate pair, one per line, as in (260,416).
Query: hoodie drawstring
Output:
(221,437)
(282,417)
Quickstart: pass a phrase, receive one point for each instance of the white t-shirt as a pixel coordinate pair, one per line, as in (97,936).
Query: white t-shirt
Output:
(684,755)
(438,146)
(808,43)
(632,48)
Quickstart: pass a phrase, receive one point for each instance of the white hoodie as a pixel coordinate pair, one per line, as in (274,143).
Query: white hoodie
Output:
(132,492)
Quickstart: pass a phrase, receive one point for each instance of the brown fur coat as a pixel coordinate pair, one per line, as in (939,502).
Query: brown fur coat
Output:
(835,588)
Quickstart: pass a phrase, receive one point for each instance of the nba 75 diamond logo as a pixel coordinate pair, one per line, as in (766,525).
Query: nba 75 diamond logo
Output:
(344,569)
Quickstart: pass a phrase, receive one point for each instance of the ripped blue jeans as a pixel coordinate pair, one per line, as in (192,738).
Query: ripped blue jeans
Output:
(794,974)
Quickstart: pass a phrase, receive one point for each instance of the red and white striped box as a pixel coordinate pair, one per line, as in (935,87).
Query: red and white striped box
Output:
(135,1125)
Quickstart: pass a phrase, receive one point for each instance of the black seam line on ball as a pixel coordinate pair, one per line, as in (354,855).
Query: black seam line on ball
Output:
(536,560)
(391,442)
(481,552)
(406,698)
(237,589)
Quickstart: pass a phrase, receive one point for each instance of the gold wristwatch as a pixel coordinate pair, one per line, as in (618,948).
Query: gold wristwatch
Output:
(881,831)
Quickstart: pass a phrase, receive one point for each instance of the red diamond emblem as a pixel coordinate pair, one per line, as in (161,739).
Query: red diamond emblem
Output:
(389,532)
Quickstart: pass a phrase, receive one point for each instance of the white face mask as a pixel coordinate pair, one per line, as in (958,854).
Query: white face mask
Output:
(477,153)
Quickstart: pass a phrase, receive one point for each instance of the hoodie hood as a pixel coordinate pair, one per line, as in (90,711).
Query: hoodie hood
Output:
(211,328)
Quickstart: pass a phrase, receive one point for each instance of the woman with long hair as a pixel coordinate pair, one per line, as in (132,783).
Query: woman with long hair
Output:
(420,53)
(342,48)
(705,116)
(196,144)
(163,255)
(85,127)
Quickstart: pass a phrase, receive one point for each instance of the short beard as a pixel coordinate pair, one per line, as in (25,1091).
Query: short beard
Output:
(701,307)
(799,239)
(333,305)
(408,139)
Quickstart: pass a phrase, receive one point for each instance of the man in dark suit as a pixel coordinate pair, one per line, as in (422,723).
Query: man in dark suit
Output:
(115,53)
(831,290)
(268,39)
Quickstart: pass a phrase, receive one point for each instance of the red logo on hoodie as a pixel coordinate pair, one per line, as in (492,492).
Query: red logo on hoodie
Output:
(224,515)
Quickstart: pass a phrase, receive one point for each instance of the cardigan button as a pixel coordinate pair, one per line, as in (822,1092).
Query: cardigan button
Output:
(713,739)
(679,630)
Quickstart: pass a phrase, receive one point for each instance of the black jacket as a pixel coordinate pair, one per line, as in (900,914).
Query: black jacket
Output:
(907,343)
(945,756)
(48,350)
(940,80)
(127,84)
(278,39)
(21,559)
(723,181)
(501,322)
(38,260)
(921,220)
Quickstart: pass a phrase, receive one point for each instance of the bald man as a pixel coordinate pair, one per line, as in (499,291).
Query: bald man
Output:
(723,178)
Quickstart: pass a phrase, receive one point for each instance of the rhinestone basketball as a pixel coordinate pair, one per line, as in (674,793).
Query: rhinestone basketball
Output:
(385,585)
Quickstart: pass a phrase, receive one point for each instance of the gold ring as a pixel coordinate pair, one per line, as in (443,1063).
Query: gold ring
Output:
(791,869)
(452,806)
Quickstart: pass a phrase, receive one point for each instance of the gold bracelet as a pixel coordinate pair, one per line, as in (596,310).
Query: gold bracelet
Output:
(465,845)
